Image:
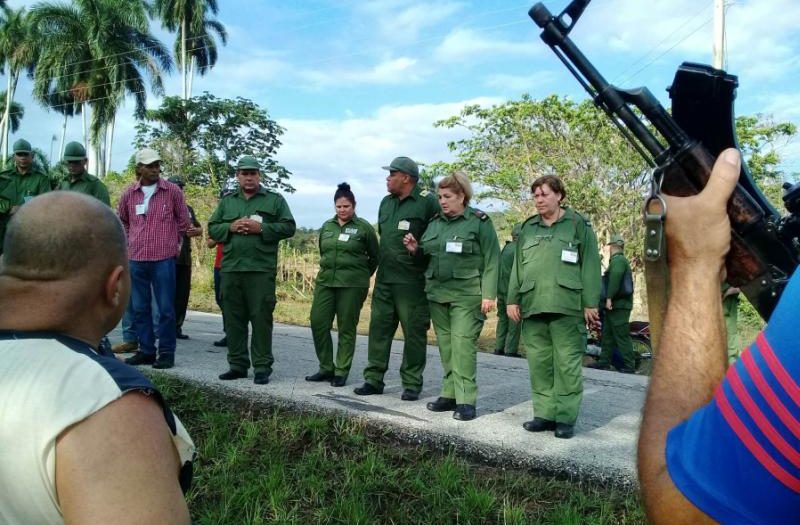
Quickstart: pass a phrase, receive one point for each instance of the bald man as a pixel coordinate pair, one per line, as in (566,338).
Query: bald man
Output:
(67,413)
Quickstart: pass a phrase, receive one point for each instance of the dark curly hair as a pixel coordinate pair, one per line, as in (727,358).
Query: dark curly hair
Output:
(343,190)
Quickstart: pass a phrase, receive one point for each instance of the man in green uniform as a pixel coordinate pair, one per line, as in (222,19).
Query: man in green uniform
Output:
(617,306)
(399,294)
(554,290)
(20,183)
(730,312)
(250,222)
(78,179)
(507,333)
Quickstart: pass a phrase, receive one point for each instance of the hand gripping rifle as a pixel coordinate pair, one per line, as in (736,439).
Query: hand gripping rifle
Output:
(764,247)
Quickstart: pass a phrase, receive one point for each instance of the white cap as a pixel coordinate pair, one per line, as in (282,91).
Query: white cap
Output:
(147,156)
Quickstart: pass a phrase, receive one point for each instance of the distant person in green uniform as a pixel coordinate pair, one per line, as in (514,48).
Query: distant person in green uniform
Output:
(730,312)
(78,179)
(507,332)
(19,184)
(617,306)
(250,222)
(554,291)
(462,254)
(348,251)
(399,293)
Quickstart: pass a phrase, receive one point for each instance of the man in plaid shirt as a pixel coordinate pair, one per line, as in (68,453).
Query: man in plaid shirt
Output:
(155,217)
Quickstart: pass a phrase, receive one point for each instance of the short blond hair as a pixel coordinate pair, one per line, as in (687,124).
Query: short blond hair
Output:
(458,182)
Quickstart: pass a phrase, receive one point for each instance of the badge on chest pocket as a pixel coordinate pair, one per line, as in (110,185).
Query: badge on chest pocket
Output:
(404,225)
(344,237)
(454,247)
(569,255)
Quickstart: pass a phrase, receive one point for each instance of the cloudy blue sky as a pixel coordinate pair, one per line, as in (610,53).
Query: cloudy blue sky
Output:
(356,83)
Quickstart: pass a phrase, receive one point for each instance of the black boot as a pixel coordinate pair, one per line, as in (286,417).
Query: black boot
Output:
(442,404)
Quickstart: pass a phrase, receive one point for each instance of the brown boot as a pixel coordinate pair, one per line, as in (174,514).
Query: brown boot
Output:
(125,348)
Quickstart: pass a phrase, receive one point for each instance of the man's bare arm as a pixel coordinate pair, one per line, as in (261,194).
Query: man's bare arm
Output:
(120,466)
(692,354)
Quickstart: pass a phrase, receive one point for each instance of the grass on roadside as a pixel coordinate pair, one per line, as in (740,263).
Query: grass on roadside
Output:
(266,465)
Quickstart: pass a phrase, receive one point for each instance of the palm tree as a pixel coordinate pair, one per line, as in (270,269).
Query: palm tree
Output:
(96,52)
(18,50)
(195,46)
(15,114)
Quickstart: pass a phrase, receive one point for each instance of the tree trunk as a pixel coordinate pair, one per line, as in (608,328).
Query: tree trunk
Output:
(183,59)
(85,125)
(6,118)
(191,77)
(109,143)
(63,137)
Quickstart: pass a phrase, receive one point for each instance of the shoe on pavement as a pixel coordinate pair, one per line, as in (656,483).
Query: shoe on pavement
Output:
(222,342)
(599,366)
(181,335)
(464,413)
(140,358)
(409,395)
(367,390)
(539,424)
(499,351)
(232,374)
(261,378)
(125,347)
(564,430)
(442,404)
(338,381)
(164,361)
(319,377)
(624,370)
(514,354)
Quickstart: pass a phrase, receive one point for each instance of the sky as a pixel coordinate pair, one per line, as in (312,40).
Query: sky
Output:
(356,83)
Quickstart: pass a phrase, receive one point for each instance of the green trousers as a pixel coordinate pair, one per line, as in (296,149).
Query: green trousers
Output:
(344,304)
(508,330)
(555,347)
(730,311)
(457,327)
(406,304)
(249,298)
(617,334)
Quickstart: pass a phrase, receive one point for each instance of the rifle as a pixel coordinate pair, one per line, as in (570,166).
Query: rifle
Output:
(765,249)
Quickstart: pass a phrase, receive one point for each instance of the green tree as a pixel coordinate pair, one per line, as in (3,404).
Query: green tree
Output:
(15,114)
(760,139)
(195,46)
(18,51)
(205,136)
(98,52)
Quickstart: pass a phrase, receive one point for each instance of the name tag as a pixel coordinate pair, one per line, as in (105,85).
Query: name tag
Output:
(454,246)
(569,256)
(344,237)
(351,231)
(258,218)
(141,209)
(404,225)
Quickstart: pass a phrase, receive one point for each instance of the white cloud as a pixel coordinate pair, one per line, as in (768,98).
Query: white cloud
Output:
(519,83)
(466,44)
(403,20)
(400,70)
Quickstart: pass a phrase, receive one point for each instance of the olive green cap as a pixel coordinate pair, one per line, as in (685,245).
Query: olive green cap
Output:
(248,163)
(515,230)
(404,164)
(617,239)
(74,151)
(22,146)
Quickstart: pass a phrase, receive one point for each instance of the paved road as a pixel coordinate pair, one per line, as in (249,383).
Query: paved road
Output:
(603,448)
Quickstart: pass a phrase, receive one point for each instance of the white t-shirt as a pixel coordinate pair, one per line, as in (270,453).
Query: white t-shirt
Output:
(148,193)
(49,382)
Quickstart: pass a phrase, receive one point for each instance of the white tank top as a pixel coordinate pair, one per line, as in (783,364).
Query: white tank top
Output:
(48,383)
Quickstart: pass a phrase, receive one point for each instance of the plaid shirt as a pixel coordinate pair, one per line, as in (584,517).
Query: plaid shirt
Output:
(155,235)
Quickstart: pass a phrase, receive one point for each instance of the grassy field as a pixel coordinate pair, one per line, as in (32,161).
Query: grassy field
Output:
(265,465)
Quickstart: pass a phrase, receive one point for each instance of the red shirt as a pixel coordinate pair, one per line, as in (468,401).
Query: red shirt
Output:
(155,235)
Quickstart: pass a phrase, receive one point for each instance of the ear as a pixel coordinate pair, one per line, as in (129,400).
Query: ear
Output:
(114,287)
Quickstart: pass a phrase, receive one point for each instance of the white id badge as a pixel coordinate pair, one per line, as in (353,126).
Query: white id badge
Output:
(344,237)
(255,217)
(351,231)
(141,209)
(454,246)
(569,256)
(404,225)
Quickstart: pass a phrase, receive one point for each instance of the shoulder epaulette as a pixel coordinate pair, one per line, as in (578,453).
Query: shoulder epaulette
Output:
(480,214)
(424,193)
(435,216)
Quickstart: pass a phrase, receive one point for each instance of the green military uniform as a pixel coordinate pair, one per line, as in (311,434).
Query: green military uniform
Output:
(556,274)
(616,322)
(730,312)
(463,256)
(398,293)
(16,188)
(88,184)
(508,330)
(7,200)
(249,265)
(348,258)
